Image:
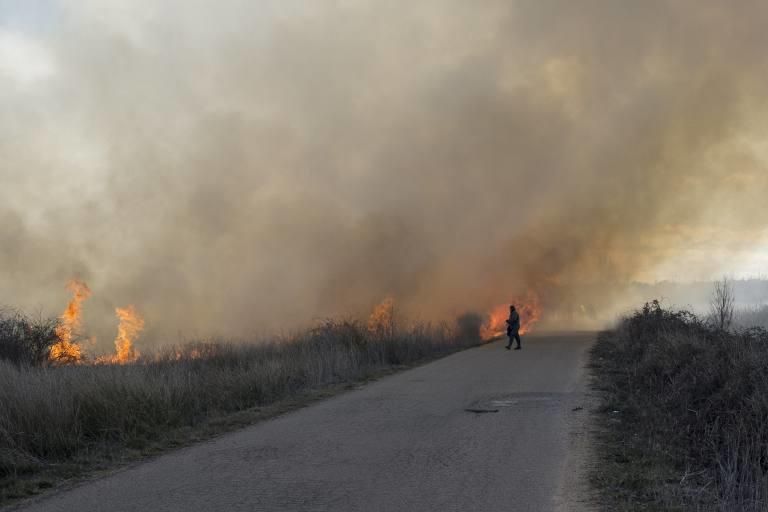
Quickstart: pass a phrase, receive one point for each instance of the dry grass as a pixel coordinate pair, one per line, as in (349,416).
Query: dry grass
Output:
(60,420)
(685,415)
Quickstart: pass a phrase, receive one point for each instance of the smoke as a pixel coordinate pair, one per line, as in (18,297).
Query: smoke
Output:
(256,165)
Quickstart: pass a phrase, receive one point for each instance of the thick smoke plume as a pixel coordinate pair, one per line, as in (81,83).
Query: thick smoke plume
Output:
(248,165)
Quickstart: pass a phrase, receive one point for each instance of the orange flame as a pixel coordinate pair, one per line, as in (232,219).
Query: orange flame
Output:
(131,324)
(382,319)
(529,309)
(67,349)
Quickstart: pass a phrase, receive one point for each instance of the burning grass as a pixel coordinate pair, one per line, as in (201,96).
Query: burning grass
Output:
(684,416)
(67,350)
(131,325)
(528,307)
(59,420)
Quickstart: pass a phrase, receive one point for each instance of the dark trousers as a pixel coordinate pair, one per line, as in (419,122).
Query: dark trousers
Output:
(514,336)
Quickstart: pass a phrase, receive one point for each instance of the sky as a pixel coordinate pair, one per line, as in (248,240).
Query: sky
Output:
(252,166)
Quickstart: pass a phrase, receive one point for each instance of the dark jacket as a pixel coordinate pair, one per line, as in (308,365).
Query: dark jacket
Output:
(513,323)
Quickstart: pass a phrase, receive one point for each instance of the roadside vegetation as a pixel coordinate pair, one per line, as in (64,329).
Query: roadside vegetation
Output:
(59,421)
(684,415)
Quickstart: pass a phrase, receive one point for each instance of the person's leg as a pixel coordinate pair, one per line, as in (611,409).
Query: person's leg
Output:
(517,338)
(509,345)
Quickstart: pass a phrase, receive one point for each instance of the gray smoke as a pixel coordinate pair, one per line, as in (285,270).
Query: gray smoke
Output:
(242,166)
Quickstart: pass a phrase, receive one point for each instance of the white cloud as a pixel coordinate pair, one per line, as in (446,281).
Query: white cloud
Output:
(24,61)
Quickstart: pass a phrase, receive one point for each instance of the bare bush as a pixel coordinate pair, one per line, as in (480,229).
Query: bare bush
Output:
(25,340)
(722,303)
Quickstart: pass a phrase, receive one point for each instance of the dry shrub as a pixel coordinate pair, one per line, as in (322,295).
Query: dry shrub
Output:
(25,340)
(686,409)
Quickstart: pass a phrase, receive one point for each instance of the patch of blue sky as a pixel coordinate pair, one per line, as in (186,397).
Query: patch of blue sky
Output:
(29,16)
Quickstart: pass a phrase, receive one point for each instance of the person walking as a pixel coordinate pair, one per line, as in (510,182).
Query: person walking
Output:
(513,327)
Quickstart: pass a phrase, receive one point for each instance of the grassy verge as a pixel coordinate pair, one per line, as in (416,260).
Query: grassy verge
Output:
(684,416)
(62,422)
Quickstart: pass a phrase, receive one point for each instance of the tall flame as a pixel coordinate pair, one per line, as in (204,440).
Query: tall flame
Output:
(67,349)
(530,312)
(131,324)
(529,309)
(382,319)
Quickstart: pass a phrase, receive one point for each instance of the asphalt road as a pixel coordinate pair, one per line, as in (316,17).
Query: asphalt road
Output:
(404,443)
